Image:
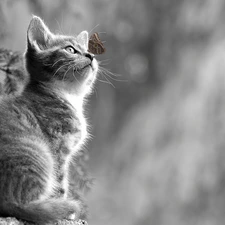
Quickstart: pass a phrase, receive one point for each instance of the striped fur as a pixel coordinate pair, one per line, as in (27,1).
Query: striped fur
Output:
(43,127)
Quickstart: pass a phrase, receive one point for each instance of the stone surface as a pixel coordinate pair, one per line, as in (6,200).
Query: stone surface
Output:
(14,221)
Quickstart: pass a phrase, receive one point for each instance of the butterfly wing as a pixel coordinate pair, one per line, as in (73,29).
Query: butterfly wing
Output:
(91,46)
(95,48)
(95,45)
(95,37)
(99,48)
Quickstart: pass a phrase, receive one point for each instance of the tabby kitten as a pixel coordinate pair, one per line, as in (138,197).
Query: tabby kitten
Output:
(43,127)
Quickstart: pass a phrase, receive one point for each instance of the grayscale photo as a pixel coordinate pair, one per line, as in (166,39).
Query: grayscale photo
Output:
(112,112)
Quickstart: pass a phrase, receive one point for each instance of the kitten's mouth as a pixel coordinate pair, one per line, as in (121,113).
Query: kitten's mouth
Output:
(86,67)
(89,65)
(87,70)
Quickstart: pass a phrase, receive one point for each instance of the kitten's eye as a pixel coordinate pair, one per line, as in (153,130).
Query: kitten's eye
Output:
(71,49)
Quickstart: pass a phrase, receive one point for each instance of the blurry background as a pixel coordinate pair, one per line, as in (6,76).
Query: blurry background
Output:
(158,146)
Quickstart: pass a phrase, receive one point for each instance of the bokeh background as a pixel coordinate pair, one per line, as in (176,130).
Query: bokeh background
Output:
(158,146)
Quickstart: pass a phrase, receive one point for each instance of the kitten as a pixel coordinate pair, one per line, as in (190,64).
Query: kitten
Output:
(43,127)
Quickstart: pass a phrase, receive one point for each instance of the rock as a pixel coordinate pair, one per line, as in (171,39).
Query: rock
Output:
(14,221)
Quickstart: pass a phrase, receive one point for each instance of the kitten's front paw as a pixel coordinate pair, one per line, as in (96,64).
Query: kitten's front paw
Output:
(72,216)
(78,222)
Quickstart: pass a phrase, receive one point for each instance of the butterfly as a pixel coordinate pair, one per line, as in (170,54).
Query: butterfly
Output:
(95,45)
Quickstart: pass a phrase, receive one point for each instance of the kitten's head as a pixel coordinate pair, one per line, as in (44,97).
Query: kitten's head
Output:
(59,61)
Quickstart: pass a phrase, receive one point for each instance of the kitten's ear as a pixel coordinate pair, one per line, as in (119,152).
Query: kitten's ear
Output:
(82,38)
(38,34)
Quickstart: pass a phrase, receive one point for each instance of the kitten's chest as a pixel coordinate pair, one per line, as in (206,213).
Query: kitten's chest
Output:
(69,134)
(67,138)
(67,145)
(76,136)
(78,121)
(64,125)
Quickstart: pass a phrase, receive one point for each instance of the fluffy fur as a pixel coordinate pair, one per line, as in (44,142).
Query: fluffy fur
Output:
(43,127)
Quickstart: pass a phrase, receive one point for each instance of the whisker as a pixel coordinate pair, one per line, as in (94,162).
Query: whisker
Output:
(119,80)
(105,72)
(62,22)
(57,61)
(103,81)
(60,68)
(102,32)
(104,62)
(112,76)
(60,28)
(78,71)
(109,81)
(93,28)
(109,72)
(75,75)
(70,28)
(64,76)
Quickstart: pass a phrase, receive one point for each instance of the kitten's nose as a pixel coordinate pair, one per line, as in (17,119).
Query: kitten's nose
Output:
(90,56)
